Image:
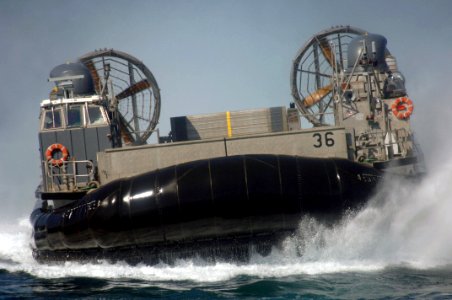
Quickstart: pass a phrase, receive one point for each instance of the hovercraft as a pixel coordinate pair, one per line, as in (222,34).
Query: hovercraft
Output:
(219,183)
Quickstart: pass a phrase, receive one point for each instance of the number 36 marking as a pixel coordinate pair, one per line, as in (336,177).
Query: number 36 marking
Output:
(328,137)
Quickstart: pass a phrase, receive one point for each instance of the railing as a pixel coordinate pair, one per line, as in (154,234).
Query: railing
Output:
(69,176)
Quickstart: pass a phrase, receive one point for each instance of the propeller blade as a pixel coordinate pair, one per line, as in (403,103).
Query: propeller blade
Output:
(126,137)
(317,96)
(327,51)
(125,131)
(97,84)
(134,89)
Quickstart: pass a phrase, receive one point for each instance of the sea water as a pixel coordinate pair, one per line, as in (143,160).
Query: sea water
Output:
(398,247)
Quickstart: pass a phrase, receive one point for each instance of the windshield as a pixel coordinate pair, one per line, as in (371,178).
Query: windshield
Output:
(73,116)
(52,119)
(95,115)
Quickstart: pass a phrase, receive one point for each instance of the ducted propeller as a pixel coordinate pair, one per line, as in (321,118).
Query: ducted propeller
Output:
(313,69)
(137,95)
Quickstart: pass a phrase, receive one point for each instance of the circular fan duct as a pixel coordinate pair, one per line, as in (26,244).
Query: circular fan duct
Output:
(313,69)
(130,84)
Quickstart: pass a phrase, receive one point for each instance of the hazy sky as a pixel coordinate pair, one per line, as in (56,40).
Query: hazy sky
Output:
(207,56)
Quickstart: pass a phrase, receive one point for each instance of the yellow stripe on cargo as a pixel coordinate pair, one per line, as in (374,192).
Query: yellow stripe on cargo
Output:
(228,121)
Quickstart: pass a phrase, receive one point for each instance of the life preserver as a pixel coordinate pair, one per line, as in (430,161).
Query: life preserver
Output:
(51,151)
(402,108)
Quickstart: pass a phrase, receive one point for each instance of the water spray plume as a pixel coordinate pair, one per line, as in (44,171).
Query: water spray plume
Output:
(407,224)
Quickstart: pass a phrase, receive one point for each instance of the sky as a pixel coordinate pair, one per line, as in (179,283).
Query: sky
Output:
(207,56)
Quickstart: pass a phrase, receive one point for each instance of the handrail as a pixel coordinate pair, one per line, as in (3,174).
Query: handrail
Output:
(70,176)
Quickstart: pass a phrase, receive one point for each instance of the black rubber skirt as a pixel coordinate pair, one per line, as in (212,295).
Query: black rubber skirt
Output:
(227,199)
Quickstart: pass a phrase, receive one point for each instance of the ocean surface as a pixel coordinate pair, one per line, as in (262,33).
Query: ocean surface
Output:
(398,247)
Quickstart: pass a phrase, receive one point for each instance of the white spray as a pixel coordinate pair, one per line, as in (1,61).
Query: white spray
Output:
(411,225)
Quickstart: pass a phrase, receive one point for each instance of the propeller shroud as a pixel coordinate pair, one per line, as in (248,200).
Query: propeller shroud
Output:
(313,71)
(135,90)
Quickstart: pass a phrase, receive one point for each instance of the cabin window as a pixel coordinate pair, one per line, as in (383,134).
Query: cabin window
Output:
(52,119)
(75,116)
(95,115)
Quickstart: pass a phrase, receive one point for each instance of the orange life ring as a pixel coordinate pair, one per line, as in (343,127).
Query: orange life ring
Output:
(57,148)
(402,108)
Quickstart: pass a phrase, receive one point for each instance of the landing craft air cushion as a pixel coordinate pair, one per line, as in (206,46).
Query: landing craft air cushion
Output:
(221,181)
